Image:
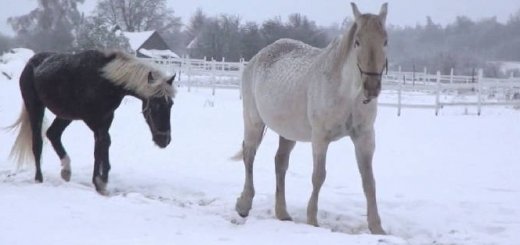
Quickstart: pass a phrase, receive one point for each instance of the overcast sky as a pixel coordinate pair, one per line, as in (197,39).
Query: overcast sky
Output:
(324,12)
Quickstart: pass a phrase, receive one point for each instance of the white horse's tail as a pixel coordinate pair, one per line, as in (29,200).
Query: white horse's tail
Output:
(22,148)
(239,156)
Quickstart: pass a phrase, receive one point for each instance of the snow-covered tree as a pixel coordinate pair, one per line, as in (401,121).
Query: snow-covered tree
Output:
(93,33)
(6,43)
(49,27)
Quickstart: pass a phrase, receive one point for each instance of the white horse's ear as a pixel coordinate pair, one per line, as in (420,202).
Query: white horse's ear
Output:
(383,12)
(355,10)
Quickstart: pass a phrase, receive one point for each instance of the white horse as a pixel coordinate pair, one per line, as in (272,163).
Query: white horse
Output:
(318,95)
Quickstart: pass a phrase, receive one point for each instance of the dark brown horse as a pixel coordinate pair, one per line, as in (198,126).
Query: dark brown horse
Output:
(87,86)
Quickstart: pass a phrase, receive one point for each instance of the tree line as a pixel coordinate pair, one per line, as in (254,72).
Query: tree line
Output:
(464,45)
(58,25)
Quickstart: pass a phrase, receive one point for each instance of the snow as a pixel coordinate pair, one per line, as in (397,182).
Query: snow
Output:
(13,61)
(156,53)
(192,44)
(451,179)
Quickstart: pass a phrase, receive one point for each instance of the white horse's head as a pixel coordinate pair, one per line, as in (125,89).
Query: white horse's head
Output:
(369,44)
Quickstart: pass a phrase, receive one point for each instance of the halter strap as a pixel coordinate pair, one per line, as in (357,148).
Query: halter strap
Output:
(149,117)
(378,74)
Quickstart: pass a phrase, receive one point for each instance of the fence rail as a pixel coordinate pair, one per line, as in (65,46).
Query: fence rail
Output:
(443,90)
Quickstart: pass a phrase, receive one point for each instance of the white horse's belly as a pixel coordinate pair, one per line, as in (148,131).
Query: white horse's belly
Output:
(284,110)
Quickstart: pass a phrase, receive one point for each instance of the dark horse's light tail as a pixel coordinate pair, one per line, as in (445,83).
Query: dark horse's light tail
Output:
(22,148)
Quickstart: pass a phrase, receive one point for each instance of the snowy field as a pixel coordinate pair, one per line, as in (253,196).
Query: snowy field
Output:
(452,179)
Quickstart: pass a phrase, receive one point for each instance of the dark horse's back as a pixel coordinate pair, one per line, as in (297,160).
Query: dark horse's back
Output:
(71,85)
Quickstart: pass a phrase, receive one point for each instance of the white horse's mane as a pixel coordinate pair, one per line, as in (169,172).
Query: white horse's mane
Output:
(131,73)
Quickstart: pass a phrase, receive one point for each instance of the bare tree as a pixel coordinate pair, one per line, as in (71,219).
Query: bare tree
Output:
(138,15)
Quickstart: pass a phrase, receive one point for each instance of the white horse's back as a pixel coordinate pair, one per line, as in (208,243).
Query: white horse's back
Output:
(275,86)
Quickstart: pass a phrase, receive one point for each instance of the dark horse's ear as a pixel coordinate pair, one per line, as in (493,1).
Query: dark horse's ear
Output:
(150,77)
(170,81)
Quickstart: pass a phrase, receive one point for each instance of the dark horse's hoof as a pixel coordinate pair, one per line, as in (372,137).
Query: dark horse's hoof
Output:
(38,178)
(101,186)
(65,175)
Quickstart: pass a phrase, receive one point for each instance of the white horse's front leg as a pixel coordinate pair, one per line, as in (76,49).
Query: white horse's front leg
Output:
(364,143)
(319,153)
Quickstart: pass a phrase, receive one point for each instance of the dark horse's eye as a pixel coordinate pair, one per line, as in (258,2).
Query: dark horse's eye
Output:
(386,43)
(356,44)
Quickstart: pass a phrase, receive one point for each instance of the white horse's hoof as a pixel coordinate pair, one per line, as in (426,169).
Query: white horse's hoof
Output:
(243,207)
(283,216)
(313,222)
(377,231)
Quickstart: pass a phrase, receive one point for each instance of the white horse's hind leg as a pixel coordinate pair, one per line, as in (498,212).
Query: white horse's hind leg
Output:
(282,163)
(365,146)
(252,138)
(319,153)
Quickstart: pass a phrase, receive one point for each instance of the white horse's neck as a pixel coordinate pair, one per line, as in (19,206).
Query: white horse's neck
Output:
(343,65)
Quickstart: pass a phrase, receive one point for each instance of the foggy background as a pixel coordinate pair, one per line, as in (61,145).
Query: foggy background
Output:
(439,35)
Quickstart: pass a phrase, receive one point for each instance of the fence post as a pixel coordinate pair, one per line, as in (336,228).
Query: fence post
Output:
(188,63)
(451,76)
(438,94)
(399,96)
(413,76)
(479,86)
(425,74)
(179,71)
(213,76)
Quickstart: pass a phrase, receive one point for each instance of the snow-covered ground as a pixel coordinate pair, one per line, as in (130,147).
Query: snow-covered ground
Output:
(452,179)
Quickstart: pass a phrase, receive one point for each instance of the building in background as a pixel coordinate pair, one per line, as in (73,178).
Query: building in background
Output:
(149,44)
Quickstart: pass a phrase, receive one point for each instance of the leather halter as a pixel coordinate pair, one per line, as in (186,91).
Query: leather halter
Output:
(378,74)
(152,123)
(373,74)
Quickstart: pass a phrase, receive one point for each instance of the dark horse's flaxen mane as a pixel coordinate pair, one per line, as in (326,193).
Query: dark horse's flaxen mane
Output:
(131,73)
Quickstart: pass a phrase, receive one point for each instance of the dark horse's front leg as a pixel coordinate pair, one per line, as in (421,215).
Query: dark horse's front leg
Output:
(102,145)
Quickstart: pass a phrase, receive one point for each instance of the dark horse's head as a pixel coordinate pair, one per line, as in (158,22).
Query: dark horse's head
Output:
(156,111)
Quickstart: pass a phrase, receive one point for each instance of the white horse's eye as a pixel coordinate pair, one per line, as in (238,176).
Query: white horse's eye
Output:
(386,43)
(356,44)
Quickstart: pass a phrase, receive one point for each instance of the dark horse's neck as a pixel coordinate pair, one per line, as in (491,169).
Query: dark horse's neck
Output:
(127,92)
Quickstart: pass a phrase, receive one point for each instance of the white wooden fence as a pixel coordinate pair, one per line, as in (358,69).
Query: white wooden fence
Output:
(443,90)
(450,90)
(203,72)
